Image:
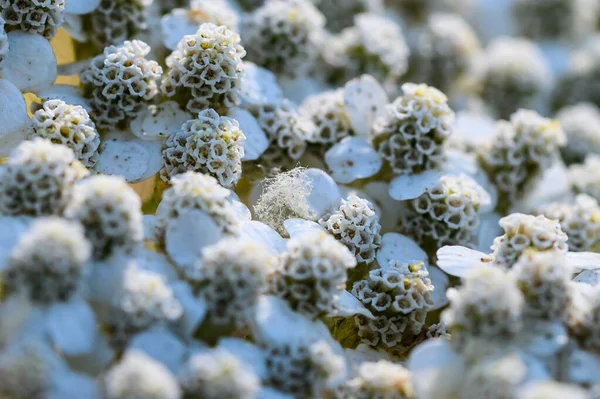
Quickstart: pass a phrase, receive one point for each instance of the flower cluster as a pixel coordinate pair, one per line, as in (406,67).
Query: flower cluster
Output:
(271,199)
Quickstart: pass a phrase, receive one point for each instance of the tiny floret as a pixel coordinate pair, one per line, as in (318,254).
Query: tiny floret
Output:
(411,134)
(42,17)
(313,273)
(218,374)
(356,225)
(38,179)
(48,262)
(139,376)
(399,298)
(120,82)
(210,144)
(69,125)
(110,212)
(204,71)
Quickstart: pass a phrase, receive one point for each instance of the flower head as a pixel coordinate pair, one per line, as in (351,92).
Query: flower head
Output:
(38,179)
(115,21)
(399,299)
(48,262)
(313,273)
(210,144)
(42,17)
(581,124)
(69,125)
(119,82)
(410,136)
(110,212)
(205,70)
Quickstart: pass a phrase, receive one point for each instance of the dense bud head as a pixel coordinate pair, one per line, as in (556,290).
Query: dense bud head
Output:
(312,273)
(38,179)
(120,82)
(523,232)
(375,45)
(217,374)
(195,191)
(382,379)
(584,177)
(327,112)
(115,21)
(513,74)
(210,144)
(488,307)
(42,17)
(399,298)
(447,214)
(544,278)
(69,125)
(48,262)
(230,277)
(110,212)
(515,157)
(138,375)
(205,70)
(411,134)
(283,36)
(581,124)
(356,225)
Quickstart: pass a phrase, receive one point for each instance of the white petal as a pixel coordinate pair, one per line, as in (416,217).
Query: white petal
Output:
(256,139)
(324,195)
(72,327)
(296,227)
(162,345)
(348,305)
(474,127)
(365,101)
(73,25)
(583,260)
(300,88)
(175,25)
(242,211)
(352,158)
(459,261)
(265,235)
(591,277)
(277,323)
(104,280)
(397,247)
(15,310)
(155,262)
(545,339)
(188,234)
(437,371)
(554,185)
(30,63)
(157,122)
(80,7)
(258,86)
(270,393)
(123,154)
(13,117)
(583,367)
(378,191)
(11,230)
(69,94)
(194,309)
(151,231)
(250,354)
(440,282)
(66,384)
(407,187)
(95,362)
(489,229)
